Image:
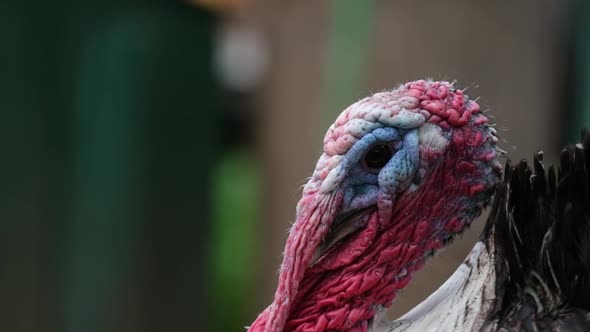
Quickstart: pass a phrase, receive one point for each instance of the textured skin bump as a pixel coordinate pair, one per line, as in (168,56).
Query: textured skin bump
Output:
(436,182)
(409,106)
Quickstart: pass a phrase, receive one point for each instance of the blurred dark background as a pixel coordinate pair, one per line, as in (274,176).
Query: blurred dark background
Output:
(153,151)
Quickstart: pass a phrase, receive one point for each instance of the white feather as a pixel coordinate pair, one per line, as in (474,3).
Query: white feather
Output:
(460,304)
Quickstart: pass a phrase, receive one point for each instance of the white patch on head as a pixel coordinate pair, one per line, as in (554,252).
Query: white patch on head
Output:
(378,114)
(405,119)
(359,127)
(431,135)
(333,179)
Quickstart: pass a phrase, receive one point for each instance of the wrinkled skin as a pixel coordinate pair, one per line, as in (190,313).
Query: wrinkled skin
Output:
(402,172)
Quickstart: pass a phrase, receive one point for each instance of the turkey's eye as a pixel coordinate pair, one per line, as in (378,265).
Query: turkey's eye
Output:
(378,155)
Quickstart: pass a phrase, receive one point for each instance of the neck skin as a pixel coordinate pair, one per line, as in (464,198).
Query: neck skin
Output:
(361,275)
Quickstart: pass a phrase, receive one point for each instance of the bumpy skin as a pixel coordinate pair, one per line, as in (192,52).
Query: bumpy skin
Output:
(436,182)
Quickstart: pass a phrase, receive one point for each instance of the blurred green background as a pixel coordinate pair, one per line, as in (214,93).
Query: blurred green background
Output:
(152,151)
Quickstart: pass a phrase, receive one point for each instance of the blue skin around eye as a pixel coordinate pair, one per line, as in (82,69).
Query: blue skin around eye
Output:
(362,187)
(398,173)
(359,148)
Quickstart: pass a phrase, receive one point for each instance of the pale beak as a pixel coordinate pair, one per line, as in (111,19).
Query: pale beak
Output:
(344,225)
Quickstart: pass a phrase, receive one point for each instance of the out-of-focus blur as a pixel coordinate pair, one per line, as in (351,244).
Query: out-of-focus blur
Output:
(153,151)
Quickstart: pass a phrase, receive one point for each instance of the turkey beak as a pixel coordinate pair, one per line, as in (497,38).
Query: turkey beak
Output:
(343,225)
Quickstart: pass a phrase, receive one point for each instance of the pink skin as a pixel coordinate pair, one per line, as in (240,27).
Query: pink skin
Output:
(361,274)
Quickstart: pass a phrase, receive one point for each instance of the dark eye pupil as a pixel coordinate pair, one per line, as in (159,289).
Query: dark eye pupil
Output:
(378,156)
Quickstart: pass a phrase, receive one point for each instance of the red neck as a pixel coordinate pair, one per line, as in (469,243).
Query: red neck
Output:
(362,274)
(344,291)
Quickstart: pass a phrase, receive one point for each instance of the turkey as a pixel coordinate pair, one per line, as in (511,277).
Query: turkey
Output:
(405,171)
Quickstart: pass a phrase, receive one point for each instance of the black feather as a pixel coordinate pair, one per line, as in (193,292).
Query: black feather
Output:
(540,229)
